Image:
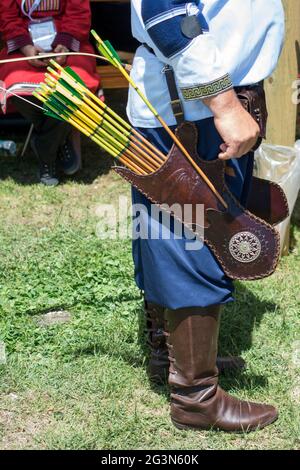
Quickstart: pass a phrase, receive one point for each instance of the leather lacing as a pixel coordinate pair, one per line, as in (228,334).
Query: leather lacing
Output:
(170,350)
(156,338)
(65,152)
(48,170)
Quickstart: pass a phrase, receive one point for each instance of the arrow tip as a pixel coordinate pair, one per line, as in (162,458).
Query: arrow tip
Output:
(55,64)
(96,36)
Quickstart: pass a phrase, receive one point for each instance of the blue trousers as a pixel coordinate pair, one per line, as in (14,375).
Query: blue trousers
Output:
(170,274)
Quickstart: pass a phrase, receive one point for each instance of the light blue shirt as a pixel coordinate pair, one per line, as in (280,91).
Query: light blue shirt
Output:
(240,46)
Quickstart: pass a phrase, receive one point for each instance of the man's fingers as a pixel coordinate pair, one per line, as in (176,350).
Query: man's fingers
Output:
(225,156)
(223,147)
(236,150)
(230,151)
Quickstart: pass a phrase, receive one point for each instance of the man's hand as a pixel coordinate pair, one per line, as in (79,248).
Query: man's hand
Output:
(62,59)
(30,51)
(237,128)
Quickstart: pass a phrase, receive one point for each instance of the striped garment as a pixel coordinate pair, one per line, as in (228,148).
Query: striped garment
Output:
(45,5)
(162,21)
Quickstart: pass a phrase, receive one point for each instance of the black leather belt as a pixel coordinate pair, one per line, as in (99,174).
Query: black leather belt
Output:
(173,91)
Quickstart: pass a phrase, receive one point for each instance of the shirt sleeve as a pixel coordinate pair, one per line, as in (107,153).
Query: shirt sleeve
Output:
(73,26)
(197,62)
(13,27)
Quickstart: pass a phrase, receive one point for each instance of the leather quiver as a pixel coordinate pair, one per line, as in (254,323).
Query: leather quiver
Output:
(267,201)
(246,246)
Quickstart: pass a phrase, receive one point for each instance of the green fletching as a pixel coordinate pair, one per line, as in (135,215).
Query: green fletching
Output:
(49,113)
(54,103)
(112,51)
(102,49)
(62,99)
(74,75)
(69,87)
(50,108)
(106,49)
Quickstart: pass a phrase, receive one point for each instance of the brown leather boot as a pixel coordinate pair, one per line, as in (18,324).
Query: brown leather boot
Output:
(197,401)
(158,368)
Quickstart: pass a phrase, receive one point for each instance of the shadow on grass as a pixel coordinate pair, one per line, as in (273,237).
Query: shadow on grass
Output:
(238,321)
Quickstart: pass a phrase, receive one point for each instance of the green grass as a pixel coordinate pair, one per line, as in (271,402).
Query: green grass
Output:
(82,384)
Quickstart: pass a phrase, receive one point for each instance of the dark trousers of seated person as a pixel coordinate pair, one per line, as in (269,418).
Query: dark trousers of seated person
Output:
(49,133)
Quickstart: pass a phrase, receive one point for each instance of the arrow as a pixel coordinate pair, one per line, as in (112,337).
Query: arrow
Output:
(107,50)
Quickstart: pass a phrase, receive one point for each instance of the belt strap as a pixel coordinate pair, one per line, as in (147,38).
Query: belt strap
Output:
(175,100)
(173,91)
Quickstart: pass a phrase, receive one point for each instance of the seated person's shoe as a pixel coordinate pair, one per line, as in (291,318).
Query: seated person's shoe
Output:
(47,171)
(69,158)
(48,175)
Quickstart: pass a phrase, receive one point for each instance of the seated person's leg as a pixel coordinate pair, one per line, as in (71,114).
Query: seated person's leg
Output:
(49,137)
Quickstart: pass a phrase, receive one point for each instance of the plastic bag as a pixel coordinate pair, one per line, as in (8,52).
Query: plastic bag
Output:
(281,165)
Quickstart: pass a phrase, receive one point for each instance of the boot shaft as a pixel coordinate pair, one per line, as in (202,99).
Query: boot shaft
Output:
(193,345)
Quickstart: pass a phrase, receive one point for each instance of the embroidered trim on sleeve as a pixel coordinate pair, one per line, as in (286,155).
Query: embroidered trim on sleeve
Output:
(66,40)
(19,41)
(208,89)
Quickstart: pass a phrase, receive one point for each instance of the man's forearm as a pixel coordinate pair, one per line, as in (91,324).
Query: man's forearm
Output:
(222,103)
